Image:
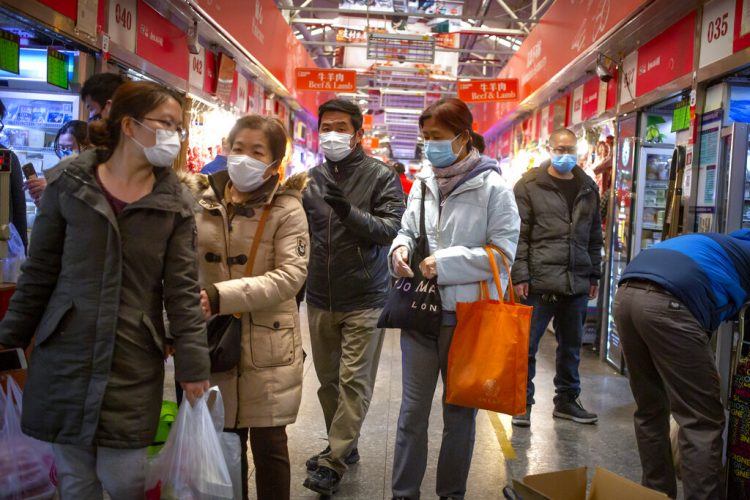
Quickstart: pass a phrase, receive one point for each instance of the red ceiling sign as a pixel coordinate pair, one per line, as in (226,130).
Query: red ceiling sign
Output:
(68,8)
(666,57)
(209,78)
(590,103)
(326,80)
(558,39)
(741,26)
(370,142)
(259,27)
(367,122)
(161,42)
(488,90)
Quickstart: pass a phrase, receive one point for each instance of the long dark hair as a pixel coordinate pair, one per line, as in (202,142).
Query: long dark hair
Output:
(78,129)
(133,99)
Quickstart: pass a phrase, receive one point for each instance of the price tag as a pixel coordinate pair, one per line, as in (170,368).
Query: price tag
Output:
(717,31)
(122,23)
(198,68)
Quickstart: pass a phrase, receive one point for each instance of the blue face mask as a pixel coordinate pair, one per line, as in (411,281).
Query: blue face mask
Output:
(564,163)
(440,153)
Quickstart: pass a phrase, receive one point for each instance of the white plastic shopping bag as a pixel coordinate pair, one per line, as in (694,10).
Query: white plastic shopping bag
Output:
(26,464)
(232,448)
(191,465)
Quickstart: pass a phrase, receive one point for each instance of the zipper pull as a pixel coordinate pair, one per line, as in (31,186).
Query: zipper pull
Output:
(336,169)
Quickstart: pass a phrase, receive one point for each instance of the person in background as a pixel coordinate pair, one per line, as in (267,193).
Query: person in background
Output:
(354,205)
(112,246)
(220,162)
(461,186)
(262,394)
(72,139)
(96,93)
(406,183)
(603,173)
(672,297)
(17,201)
(558,266)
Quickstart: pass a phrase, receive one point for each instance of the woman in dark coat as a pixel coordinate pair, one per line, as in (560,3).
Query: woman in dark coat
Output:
(113,243)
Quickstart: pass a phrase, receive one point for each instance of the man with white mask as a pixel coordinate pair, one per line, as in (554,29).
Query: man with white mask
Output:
(354,205)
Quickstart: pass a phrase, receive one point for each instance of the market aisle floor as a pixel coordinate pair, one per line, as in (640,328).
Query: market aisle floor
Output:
(501,452)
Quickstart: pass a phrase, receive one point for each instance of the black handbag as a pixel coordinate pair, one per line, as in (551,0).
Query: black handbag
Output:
(414,303)
(225,330)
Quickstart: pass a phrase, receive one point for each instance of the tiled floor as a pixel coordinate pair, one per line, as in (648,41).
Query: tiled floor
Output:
(550,444)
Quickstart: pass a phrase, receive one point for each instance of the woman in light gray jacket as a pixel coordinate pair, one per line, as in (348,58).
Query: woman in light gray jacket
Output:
(467,206)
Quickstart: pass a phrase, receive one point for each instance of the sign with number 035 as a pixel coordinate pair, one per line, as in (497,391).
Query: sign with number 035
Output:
(717,31)
(122,24)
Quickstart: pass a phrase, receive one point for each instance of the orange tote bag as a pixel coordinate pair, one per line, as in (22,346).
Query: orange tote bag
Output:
(488,359)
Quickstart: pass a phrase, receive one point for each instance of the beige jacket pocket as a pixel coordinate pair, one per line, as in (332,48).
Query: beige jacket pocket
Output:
(272,339)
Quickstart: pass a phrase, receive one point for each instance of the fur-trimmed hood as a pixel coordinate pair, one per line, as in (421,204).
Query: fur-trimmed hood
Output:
(199,184)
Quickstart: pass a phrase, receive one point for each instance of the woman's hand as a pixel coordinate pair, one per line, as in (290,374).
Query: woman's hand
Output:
(429,267)
(400,261)
(194,390)
(206,305)
(36,188)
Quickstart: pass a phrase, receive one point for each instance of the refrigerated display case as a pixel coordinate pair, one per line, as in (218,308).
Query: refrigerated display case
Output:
(651,195)
(618,239)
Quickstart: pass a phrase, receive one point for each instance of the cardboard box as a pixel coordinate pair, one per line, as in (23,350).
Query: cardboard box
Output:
(571,485)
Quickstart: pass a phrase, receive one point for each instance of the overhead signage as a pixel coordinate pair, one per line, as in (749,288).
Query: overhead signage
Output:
(122,23)
(197,63)
(161,42)
(10,52)
(209,81)
(741,25)
(370,142)
(667,56)
(576,115)
(57,69)
(629,77)
(488,90)
(225,80)
(67,8)
(367,122)
(717,31)
(241,93)
(326,80)
(590,104)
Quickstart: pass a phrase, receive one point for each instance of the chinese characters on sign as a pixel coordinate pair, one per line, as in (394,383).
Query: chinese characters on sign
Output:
(488,90)
(327,80)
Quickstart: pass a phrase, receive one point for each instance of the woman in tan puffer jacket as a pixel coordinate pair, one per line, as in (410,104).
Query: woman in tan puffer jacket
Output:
(263,392)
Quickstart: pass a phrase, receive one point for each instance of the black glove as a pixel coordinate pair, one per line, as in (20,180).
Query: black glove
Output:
(337,200)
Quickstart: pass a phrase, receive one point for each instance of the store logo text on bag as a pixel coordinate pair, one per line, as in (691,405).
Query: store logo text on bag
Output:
(258,21)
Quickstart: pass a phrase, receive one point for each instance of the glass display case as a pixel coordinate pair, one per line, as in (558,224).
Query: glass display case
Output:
(651,200)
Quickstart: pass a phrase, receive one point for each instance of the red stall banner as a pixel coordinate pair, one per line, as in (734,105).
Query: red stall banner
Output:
(68,8)
(370,142)
(667,56)
(741,25)
(505,143)
(161,42)
(590,107)
(326,80)
(367,122)
(488,90)
(226,78)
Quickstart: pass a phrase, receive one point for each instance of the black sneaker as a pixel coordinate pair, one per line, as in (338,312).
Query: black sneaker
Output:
(323,481)
(312,462)
(572,409)
(522,420)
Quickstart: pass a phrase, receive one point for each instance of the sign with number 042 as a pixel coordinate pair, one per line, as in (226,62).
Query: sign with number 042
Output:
(717,31)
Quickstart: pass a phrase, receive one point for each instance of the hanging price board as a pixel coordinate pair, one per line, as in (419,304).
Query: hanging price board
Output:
(57,69)
(9,52)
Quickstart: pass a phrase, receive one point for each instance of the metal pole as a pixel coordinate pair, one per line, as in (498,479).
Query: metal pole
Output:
(318,43)
(390,15)
(512,15)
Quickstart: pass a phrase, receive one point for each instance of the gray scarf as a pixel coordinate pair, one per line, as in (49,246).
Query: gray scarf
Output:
(448,177)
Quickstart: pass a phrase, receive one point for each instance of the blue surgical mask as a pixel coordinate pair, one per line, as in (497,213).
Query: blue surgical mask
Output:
(564,163)
(440,153)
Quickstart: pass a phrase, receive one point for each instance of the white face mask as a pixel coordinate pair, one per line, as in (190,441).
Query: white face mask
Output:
(246,172)
(335,145)
(166,149)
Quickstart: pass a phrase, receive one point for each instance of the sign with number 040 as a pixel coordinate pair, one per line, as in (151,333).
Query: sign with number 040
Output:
(122,23)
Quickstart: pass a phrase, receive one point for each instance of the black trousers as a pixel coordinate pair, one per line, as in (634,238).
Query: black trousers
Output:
(271,459)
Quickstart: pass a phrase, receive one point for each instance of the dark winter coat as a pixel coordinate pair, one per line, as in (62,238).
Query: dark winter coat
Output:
(556,253)
(348,269)
(92,292)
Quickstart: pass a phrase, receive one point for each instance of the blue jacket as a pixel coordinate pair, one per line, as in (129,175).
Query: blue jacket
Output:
(216,165)
(480,210)
(709,273)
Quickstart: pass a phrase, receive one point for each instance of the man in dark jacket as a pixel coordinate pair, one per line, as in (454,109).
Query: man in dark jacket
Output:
(354,205)
(558,266)
(672,296)
(17,199)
